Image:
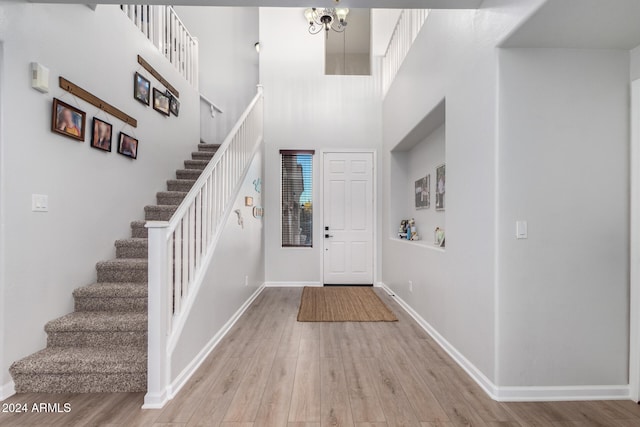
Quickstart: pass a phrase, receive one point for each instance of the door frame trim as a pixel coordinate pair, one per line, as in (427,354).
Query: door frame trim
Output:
(634,246)
(374,174)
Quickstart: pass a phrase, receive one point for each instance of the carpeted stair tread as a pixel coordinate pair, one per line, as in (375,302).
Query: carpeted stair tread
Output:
(188,173)
(171,198)
(159,212)
(112,297)
(196,164)
(138,229)
(127,270)
(112,290)
(83,360)
(98,322)
(208,147)
(202,155)
(132,248)
(180,184)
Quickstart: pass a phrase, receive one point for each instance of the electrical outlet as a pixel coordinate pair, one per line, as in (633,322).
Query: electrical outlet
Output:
(410,286)
(246,280)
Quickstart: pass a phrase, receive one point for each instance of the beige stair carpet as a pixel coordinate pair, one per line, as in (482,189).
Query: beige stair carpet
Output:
(102,346)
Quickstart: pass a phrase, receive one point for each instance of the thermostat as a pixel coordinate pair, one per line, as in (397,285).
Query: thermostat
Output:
(39,77)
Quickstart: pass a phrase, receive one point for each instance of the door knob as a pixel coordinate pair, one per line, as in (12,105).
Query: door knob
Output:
(326,236)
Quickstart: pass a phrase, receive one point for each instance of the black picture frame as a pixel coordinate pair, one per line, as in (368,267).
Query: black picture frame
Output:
(174,104)
(128,146)
(141,89)
(101,135)
(161,102)
(68,121)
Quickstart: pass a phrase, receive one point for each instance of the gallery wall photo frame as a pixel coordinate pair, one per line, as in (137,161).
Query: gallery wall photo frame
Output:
(423,192)
(161,102)
(174,104)
(128,146)
(142,89)
(101,135)
(441,180)
(68,121)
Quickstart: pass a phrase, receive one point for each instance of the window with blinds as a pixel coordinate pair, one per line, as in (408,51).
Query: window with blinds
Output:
(297,198)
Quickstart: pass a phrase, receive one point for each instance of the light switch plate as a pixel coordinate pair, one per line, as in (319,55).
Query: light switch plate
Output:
(39,203)
(521,230)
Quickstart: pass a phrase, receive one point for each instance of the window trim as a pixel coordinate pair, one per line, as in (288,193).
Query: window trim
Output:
(293,152)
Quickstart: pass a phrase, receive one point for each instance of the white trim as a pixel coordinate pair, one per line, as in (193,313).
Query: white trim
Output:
(374,176)
(514,394)
(291,284)
(562,393)
(158,401)
(634,257)
(7,390)
(181,321)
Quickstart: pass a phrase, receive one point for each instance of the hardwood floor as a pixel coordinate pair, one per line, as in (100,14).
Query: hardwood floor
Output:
(271,370)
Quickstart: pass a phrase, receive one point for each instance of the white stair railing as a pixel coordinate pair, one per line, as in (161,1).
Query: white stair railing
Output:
(407,28)
(162,26)
(180,250)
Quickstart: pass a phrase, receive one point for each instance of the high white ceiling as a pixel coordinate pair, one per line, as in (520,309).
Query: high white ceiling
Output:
(581,24)
(399,4)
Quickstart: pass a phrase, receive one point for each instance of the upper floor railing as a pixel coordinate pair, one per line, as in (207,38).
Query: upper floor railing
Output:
(162,26)
(180,250)
(407,28)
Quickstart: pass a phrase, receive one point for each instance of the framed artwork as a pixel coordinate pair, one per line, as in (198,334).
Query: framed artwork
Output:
(161,102)
(423,193)
(128,146)
(68,121)
(141,88)
(174,105)
(101,135)
(441,180)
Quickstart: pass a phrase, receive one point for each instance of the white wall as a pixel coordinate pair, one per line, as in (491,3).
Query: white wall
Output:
(423,159)
(304,109)
(240,253)
(383,22)
(228,61)
(454,57)
(635,64)
(91,193)
(563,166)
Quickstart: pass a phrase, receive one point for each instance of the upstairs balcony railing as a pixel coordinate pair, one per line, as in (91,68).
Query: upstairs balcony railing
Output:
(404,34)
(162,26)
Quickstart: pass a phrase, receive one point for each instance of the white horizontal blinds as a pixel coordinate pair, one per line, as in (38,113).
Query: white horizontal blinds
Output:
(297,198)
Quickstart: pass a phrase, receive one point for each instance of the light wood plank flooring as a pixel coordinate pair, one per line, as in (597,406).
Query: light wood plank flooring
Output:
(271,370)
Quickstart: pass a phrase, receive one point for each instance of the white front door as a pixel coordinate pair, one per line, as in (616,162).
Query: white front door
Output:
(348,218)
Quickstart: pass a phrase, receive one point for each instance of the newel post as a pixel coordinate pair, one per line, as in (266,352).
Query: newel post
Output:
(158,315)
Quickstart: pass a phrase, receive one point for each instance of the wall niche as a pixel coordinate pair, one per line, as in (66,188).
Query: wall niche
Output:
(417,156)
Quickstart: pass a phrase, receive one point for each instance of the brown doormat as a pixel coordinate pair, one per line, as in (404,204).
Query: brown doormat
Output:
(343,304)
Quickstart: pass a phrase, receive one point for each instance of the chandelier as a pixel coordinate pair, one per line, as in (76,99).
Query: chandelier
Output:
(326,18)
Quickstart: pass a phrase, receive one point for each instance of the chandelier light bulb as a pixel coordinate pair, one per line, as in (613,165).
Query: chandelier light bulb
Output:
(308,14)
(341,13)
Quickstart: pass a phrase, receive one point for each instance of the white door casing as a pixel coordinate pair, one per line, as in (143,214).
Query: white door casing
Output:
(348,215)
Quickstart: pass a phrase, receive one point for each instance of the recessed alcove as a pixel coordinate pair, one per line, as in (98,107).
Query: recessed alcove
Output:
(416,156)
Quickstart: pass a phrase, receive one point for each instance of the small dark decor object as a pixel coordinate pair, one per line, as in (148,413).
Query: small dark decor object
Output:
(68,120)
(128,146)
(174,104)
(161,102)
(141,88)
(101,135)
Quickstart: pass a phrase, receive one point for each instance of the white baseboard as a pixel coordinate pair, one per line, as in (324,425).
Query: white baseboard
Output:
(562,393)
(514,394)
(7,390)
(157,402)
(291,284)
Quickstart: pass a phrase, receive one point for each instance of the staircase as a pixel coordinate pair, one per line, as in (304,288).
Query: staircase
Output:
(102,346)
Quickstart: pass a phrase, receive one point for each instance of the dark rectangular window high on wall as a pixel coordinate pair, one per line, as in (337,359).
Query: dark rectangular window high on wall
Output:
(297,198)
